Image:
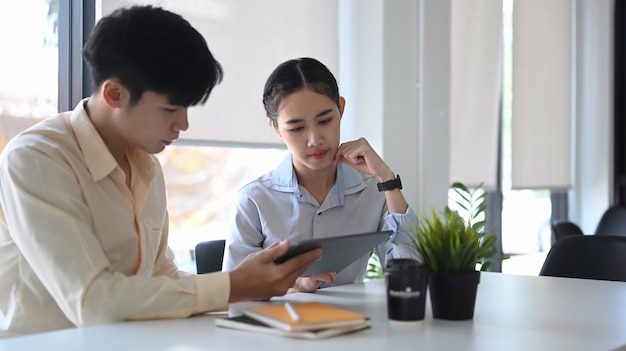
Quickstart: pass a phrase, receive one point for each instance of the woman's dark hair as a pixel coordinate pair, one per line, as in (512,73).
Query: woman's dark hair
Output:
(150,49)
(294,75)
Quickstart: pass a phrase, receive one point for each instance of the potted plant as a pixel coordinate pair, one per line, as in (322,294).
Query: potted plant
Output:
(455,249)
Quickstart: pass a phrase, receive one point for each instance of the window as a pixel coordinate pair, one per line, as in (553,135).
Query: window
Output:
(486,51)
(28,88)
(525,213)
(202,182)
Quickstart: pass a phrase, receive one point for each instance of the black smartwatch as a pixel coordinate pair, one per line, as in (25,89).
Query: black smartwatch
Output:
(390,184)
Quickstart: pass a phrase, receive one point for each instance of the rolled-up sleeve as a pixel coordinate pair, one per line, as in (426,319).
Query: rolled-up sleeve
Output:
(403,243)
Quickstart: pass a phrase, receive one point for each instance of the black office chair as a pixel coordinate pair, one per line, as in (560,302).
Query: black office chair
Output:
(209,256)
(562,228)
(613,222)
(601,257)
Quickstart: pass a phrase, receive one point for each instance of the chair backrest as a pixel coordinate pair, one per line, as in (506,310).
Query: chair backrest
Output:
(613,222)
(209,256)
(601,257)
(562,228)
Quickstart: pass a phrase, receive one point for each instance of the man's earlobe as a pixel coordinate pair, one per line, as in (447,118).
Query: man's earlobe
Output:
(111,91)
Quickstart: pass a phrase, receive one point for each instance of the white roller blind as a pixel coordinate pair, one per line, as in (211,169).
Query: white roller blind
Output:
(250,38)
(542,85)
(476,66)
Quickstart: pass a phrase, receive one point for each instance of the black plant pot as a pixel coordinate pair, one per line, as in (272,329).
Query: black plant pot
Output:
(452,296)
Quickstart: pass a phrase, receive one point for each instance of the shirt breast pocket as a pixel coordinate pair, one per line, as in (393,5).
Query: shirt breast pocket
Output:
(152,239)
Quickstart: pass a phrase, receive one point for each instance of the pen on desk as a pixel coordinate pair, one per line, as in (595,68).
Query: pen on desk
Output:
(292,313)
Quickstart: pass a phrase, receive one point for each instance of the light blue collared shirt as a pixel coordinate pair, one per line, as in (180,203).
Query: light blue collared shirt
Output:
(275,207)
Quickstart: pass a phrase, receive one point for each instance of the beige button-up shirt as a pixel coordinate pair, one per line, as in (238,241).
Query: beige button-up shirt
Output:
(77,246)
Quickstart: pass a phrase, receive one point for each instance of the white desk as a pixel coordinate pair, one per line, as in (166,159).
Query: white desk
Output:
(513,312)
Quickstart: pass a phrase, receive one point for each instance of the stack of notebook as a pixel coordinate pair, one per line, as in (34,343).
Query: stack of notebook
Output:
(307,320)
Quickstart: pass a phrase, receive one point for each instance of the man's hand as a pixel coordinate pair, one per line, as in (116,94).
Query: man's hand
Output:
(259,278)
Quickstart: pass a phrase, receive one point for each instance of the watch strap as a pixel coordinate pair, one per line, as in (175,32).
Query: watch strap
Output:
(390,184)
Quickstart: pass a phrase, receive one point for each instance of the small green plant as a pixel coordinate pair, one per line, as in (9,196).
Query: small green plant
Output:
(474,203)
(450,243)
(454,229)
(374,268)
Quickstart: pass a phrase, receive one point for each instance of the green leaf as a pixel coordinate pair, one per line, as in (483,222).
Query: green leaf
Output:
(449,243)
(374,268)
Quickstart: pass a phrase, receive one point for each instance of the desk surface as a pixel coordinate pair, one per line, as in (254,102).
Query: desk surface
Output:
(513,312)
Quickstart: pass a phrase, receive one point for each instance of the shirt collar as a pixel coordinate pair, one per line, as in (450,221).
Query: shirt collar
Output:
(97,156)
(349,180)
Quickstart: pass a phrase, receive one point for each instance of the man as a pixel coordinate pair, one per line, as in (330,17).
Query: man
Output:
(83,219)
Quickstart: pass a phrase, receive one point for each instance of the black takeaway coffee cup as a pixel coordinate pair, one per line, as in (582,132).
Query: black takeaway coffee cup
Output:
(406,281)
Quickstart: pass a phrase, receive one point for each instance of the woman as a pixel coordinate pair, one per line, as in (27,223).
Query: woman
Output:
(322,188)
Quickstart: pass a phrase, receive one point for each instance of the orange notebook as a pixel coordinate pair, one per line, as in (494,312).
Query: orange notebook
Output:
(250,324)
(311,316)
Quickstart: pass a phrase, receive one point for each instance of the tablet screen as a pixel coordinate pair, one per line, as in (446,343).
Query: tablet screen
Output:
(338,251)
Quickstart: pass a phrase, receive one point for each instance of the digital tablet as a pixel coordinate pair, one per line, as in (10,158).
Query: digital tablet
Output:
(338,251)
